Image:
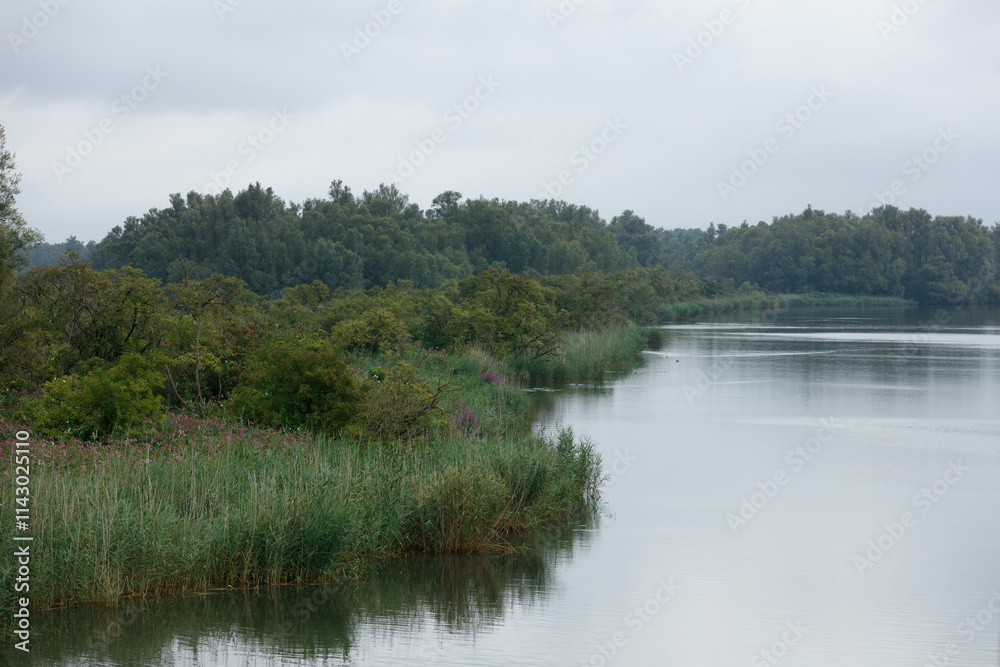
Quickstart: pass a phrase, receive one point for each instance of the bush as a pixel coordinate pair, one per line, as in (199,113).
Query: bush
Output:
(509,316)
(101,400)
(377,331)
(297,385)
(399,404)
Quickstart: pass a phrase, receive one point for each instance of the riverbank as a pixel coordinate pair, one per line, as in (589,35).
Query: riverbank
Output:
(205,503)
(588,354)
(441,461)
(689,310)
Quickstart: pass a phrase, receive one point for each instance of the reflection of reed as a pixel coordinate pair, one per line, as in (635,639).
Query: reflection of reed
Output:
(462,594)
(549,397)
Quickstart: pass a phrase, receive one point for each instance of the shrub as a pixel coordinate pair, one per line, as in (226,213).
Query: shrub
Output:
(508,315)
(377,331)
(298,385)
(399,404)
(101,399)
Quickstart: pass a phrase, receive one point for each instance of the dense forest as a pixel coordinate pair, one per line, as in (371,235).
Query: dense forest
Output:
(359,242)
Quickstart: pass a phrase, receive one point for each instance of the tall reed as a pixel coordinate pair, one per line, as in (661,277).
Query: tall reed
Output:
(236,514)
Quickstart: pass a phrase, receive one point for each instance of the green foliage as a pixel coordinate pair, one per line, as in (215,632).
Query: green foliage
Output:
(582,462)
(297,384)
(370,241)
(508,315)
(102,400)
(210,505)
(889,252)
(362,242)
(377,331)
(206,331)
(458,510)
(311,295)
(49,254)
(70,313)
(399,404)
(15,236)
(526,475)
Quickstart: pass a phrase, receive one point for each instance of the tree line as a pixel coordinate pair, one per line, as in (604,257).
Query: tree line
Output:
(888,252)
(358,242)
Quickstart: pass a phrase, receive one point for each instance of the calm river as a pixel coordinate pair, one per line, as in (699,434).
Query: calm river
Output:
(817,488)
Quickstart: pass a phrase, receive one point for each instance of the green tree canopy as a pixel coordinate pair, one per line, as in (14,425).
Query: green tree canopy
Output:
(15,235)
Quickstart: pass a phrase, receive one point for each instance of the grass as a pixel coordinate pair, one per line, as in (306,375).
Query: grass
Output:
(204,504)
(587,355)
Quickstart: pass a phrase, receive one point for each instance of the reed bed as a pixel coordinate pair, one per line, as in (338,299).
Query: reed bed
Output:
(210,505)
(589,354)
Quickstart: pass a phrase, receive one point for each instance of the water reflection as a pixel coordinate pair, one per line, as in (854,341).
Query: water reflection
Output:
(711,421)
(417,604)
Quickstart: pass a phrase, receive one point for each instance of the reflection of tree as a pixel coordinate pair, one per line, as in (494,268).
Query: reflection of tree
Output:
(461,594)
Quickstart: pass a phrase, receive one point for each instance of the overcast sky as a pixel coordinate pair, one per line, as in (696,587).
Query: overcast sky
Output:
(684,111)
